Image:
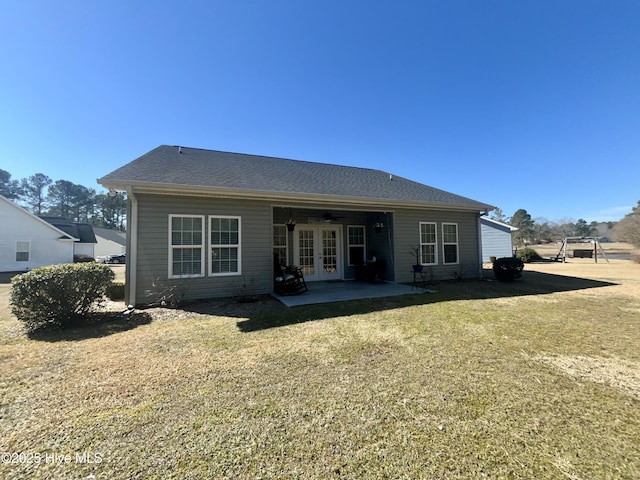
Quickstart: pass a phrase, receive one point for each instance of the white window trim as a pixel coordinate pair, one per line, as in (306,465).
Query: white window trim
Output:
(435,249)
(211,246)
(27,251)
(286,241)
(364,245)
(444,258)
(172,247)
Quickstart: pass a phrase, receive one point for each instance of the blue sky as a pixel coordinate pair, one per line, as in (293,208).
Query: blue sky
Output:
(519,104)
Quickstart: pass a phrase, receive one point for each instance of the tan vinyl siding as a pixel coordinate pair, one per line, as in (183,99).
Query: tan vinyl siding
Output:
(153,284)
(406,235)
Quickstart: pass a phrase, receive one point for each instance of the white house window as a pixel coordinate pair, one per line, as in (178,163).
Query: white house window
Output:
(450,242)
(280,243)
(428,241)
(356,244)
(186,246)
(22,251)
(224,245)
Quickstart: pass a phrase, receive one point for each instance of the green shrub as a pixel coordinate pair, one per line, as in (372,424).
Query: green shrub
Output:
(528,255)
(507,269)
(115,291)
(58,295)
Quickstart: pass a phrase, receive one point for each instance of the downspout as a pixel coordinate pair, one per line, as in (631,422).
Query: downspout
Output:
(132,248)
(480,274)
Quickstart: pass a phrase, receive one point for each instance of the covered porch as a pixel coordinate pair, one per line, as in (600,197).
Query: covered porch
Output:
(334,243)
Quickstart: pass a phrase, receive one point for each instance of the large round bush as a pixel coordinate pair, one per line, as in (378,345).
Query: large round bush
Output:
(528,255)
(507,269)
(58,294)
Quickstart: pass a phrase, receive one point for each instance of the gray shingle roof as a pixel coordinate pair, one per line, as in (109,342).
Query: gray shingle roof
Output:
(82,231)
(165,165)
(115,236)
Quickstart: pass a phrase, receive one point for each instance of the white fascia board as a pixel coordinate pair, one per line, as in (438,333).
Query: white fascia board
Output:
(511,227)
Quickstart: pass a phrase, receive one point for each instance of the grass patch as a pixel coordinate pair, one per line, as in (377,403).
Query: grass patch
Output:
(535,379)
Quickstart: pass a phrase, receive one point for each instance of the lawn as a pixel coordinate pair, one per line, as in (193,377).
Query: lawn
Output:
(539,379)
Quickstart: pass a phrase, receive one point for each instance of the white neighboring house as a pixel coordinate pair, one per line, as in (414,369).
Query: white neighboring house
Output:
(110,242)
(496,239)
(28,241)
(85,239)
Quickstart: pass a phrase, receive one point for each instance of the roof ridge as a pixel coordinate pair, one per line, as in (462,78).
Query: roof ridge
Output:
(279,158)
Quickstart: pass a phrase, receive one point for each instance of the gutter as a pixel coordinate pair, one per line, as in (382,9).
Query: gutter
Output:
(132,249)
(299,197)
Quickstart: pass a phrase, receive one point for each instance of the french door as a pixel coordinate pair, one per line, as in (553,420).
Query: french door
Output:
(318,251)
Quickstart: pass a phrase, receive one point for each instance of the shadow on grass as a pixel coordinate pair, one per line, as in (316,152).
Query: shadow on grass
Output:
(531,283)
(94,325)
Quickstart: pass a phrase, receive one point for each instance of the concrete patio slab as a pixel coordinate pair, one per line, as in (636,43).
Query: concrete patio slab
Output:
(340,291)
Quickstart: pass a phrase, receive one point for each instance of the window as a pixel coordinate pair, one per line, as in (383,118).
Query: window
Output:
(224,245)
(280,243)
(450,242)
(186,246)
(428,243)
(22,251)
(355,242)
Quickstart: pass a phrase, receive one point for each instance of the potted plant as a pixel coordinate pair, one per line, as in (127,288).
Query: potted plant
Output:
(291,225)
(415,251)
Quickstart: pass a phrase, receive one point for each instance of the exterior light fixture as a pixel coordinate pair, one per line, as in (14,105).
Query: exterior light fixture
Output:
(291,223)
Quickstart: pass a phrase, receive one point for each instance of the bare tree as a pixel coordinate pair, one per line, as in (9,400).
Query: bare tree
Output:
(628,229)
(542,227)
(499,215)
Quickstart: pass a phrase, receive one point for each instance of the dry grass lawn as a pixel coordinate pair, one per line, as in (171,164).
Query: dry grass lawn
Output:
(539,379)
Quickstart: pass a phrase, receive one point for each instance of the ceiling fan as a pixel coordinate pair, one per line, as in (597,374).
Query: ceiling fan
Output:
(329,217)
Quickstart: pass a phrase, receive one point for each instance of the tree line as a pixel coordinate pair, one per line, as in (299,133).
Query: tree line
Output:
(61,198)
(541,230)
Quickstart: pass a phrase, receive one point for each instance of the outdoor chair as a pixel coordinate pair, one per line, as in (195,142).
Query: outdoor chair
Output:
(377,271)
(289,280)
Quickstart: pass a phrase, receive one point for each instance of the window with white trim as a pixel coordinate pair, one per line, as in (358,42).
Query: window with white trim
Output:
(428,239)
(356,244)
(224,245)
(450,242)
(280,243)
(22,251)
(186,246)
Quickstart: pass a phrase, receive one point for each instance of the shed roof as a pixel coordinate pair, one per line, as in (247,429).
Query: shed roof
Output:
(490,221)
(173,166)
